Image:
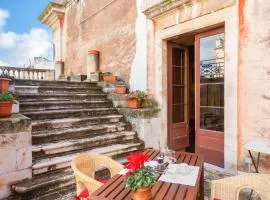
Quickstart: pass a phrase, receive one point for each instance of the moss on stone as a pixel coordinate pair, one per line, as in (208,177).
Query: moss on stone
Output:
(145,113)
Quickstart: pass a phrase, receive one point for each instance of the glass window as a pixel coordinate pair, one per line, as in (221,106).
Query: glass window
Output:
(212,83)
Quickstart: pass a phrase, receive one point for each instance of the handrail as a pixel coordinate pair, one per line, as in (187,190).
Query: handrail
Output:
(28,73)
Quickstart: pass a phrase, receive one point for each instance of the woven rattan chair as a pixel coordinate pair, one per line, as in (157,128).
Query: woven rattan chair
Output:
(85,165)
(229,188)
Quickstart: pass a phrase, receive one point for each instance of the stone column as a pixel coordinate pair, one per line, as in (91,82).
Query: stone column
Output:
(59,70)
(15,151)
(92,66)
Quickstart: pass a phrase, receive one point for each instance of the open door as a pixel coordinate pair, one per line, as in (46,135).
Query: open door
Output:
(178,107)
(209,95)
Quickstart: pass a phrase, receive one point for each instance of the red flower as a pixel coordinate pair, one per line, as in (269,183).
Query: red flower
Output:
(136,161)
(127,174)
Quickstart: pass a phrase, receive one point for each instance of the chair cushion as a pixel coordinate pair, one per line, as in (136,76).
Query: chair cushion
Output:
(84,194)
(101,180)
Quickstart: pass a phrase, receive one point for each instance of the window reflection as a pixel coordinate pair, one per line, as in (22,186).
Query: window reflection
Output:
(212,83)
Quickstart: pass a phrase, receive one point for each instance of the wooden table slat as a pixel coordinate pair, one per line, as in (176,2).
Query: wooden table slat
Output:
(112,187)
(103,188)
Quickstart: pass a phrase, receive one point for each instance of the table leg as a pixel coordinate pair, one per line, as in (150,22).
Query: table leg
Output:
(202,185)
(253,161)
(256,167)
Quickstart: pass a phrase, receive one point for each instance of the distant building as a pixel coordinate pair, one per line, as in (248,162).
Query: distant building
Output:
(42,63)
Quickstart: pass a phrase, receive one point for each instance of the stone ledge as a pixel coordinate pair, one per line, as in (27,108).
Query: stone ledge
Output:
(14,124)
(144,113)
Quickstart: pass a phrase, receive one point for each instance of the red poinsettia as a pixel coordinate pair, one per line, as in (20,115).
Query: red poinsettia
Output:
(136,161)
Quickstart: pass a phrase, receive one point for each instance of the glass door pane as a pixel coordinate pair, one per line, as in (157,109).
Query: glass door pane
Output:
(178,85)
(212,83)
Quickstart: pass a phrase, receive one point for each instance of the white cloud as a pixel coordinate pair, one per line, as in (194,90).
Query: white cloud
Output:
(4,14)
(2,63)
(20,48)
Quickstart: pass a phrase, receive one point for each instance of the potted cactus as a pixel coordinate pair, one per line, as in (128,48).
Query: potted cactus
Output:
(109,77)
(121,87)
(4,82)
(6,101)
(136,98)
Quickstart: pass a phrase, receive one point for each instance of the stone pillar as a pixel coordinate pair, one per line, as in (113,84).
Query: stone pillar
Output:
(15,151)
(92,66)
(59,70)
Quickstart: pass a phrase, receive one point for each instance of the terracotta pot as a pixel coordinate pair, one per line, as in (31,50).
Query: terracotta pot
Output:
(134,103)
(5,109)
(142,194)
(109,78)
(120,89)
(4,84)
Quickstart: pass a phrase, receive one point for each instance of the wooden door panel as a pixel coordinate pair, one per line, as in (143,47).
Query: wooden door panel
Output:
(209,95)
(178,136)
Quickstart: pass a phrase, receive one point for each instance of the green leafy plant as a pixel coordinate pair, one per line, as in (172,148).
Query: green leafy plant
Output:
(6,96)
(139,95)
(144,177)
(149,102)
(121,82)
(107,74)
(139,176)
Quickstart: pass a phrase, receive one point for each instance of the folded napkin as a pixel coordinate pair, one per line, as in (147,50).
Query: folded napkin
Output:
(124,171)
(177,176)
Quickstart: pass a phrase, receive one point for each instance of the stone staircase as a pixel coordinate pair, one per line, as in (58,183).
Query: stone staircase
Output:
(68,118)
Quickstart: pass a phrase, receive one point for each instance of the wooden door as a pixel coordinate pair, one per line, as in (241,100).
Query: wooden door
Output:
(178,135)
(209,95)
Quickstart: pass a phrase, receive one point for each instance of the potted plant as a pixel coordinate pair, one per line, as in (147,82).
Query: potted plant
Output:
(4,82)
(6,101)
(139,179)
(135,99)
(109,77)
(121,87)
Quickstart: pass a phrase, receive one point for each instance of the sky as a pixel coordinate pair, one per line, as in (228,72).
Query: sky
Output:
(22,36)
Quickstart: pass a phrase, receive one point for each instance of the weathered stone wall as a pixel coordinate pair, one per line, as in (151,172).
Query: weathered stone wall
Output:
(105,25)
(254,76)
(15,151)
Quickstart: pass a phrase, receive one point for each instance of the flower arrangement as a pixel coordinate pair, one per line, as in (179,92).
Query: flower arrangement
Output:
(109,77)
(6,101)
(139,178)
(139,95)
(136,98)
(5,80)
(121,87)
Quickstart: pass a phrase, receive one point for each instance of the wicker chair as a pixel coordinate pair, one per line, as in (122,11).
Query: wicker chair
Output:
(229,188)
(85,165)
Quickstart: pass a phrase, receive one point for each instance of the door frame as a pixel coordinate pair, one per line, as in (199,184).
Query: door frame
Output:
(170,46)
(200,133)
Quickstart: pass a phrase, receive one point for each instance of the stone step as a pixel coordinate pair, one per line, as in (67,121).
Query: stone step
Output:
(43,180)
(70,113)
(64,146)
(60,97)
(58,105)
(58,184)
(55,163)
(40,125)
(45,136)
(53,83)
(56,90)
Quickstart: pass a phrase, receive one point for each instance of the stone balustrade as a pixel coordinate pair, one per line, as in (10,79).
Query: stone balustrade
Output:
(28,73)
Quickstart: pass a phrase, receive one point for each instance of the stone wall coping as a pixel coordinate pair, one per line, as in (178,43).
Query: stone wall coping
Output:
(163,7)
(14,124)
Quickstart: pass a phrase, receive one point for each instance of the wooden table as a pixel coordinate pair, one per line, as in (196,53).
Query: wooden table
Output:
(115,190)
